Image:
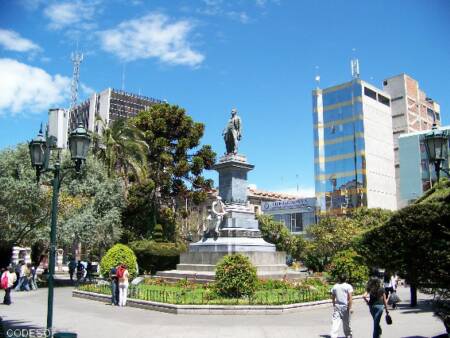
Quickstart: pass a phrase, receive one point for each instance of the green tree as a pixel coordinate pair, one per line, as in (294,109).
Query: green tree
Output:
(123,149)
(24,206)
(415,241)
(328,237)
(91,208)
(349,263)
(175,160)
(276,233)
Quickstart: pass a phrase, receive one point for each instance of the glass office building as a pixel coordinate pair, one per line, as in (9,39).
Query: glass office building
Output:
(353,148)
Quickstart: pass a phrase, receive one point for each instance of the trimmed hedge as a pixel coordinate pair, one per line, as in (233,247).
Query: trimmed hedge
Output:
(119,254)
(236,277)
(157,256)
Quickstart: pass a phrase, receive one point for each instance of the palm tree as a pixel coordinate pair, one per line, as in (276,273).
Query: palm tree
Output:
(123,149)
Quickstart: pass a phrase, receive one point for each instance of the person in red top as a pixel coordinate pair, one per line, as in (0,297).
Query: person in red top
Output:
(123,275)
(11,277)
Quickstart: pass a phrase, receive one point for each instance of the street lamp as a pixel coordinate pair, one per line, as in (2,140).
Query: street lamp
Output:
(436,145)
(40,149)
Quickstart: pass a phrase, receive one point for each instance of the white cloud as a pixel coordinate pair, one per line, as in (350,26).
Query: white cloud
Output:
(27,89)
(65,14)
(11,40)
(152,36)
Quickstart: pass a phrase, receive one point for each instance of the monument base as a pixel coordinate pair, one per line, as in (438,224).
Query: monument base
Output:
(200,266)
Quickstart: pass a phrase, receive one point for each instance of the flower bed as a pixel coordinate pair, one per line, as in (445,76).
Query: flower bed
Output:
(268,293)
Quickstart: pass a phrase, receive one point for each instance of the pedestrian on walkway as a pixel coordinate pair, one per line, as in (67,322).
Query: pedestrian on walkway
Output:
(32,276)
(122,275)
(375,297)
(23,277)
(114,286)
(10,277)
(341,295)
(72,267)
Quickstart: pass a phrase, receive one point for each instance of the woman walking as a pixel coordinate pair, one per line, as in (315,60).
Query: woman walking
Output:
(7,280)
(122,275)
(375,297)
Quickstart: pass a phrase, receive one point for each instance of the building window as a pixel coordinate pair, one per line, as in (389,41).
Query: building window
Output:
(385,83)
(396,98)
(370,93)
(384,100)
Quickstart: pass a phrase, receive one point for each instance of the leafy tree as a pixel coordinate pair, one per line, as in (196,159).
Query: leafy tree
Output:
(277,233)
(123,149)
(415,242)
(91,208)
(329,236)
(174,160)
(349,263)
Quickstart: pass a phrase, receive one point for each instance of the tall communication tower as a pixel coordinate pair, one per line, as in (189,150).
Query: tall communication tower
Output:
(354,64)
(77,58)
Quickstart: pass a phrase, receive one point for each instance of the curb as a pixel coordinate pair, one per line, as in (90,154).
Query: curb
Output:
(210,309)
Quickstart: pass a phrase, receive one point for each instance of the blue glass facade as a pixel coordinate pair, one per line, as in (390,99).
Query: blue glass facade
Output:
(339,162)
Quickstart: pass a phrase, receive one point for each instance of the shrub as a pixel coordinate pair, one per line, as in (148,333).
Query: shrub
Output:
(235,277)
(349,263)
(157,256)
(158,233)
(118,254)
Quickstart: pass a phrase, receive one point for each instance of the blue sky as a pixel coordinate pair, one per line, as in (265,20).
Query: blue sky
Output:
(260,56)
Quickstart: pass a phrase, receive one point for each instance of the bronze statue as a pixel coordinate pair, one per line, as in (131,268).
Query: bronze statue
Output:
(232,133)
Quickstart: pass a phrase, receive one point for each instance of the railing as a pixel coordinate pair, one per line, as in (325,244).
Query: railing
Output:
(203,297)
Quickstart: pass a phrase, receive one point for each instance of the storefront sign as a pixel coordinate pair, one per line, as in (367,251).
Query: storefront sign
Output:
(308,204)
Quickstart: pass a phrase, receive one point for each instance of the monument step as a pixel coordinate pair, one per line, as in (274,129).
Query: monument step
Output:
(281,268)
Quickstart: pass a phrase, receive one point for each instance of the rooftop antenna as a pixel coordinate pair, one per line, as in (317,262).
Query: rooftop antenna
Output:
(76,58)
(354,65)
(317,78)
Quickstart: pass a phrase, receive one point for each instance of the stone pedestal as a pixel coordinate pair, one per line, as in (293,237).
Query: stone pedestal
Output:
(239,232)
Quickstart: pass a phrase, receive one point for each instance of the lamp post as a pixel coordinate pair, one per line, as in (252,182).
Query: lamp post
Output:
(436,145)
(40,149)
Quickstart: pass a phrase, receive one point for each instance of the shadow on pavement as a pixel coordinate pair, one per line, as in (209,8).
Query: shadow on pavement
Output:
(440,336)
(14,325)
(422,306)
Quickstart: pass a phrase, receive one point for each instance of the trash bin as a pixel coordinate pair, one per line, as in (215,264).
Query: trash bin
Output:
(65,335)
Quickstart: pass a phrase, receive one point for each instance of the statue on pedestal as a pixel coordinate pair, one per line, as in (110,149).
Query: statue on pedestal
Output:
(232,133)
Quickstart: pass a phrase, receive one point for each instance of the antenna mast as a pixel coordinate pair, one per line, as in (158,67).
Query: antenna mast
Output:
(354,63)
(76,61)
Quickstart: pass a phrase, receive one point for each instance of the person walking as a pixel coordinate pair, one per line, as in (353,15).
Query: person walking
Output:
(341,296)
(122,275)
(7,281)
(375,297)
(72,267)
(23,278)
(114,286)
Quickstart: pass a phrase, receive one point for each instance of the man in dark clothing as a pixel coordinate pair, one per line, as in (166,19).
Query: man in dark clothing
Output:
(114,286)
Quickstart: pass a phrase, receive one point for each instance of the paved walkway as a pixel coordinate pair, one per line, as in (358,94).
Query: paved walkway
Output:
(96,319)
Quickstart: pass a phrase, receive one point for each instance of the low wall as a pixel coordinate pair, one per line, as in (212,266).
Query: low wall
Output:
(210,309)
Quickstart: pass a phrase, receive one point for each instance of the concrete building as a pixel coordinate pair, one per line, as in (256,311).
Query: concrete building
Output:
(109,105)
(415,173)
(353,148)
(412,111)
